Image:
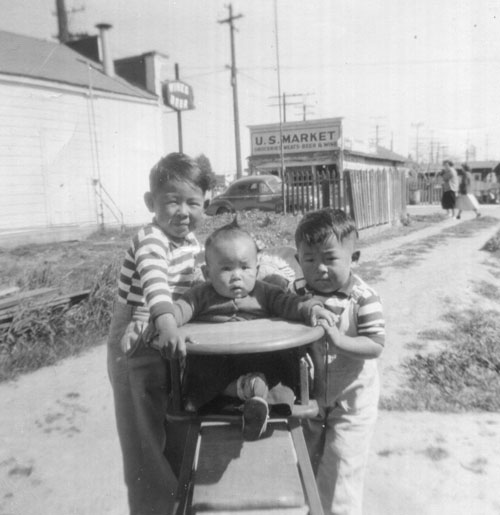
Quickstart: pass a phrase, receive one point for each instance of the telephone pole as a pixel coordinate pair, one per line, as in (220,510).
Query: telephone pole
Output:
(417,127)
(376,141)
(230,20)
(285,103)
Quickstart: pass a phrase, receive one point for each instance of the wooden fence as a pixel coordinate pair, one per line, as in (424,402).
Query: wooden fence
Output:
(371,197)
(376,196)
(305,191)
(425,190)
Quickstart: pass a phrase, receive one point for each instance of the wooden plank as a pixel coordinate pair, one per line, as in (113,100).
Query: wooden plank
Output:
(7,312)
(183,487)
(229,474)
(7,292)
(305,467)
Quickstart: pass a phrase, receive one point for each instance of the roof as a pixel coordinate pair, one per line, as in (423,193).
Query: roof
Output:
(152,53)
(24,56)
(385,155)
(474,165)
(260,177)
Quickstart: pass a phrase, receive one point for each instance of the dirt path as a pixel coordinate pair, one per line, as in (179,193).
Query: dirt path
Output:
(427,463)
(59,454)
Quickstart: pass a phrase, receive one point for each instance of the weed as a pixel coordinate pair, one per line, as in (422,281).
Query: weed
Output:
(493,244)
(39,337)
(465,376)
(415,346)
(487,290)
(436,453)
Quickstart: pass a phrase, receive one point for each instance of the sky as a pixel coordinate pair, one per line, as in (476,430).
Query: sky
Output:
(405,71)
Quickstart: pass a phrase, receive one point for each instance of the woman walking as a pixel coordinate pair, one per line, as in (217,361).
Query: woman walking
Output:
(466,200)
(450,187)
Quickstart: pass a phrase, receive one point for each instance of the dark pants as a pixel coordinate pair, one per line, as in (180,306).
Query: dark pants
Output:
(448,200)
(140,381)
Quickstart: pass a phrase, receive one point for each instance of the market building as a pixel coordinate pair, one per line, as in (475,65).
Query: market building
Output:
(314,146)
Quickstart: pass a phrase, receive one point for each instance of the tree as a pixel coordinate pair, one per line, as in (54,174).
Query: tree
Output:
(206,167)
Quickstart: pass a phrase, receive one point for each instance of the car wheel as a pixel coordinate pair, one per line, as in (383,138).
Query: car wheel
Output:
(223,211)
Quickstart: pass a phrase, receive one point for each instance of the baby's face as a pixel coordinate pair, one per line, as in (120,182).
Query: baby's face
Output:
(232,267)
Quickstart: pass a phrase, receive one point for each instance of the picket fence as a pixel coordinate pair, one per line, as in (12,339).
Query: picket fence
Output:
(371,197)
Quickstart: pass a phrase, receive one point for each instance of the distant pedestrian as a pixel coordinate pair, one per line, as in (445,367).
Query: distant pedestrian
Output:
(466,200)
(450,187)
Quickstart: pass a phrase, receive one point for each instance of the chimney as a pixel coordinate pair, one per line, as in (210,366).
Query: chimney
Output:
(109,67)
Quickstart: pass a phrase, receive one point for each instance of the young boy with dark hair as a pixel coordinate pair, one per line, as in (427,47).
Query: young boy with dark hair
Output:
(161,263)
(346,384)
(232,293)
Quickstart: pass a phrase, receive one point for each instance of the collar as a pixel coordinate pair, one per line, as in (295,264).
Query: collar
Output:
(342,293)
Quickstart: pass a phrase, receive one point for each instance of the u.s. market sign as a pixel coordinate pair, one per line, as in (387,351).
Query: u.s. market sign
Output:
(313,136)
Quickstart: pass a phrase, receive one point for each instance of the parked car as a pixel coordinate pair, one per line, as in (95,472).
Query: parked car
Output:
(252,192)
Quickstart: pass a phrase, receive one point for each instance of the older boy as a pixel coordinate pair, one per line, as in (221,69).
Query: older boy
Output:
(346,382)
(233,293)
(160,265)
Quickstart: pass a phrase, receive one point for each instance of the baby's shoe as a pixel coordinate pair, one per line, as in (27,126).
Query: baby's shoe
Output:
(251,385)
(255,415)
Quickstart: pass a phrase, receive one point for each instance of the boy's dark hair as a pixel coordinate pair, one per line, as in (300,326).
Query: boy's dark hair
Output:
(228,231)
(177,167)
(316,226)
(447,161)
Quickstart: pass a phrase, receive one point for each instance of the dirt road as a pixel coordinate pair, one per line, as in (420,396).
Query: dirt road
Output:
(59,453)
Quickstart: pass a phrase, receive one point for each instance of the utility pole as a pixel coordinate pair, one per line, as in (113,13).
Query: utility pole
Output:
(304,109)
(377,130)
(285,103)
(230,19)
(417,127)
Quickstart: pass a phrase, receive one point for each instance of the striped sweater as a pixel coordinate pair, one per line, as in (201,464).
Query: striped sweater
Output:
(362,301)
(156,271)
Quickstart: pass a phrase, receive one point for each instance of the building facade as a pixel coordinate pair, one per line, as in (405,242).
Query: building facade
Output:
(77,144)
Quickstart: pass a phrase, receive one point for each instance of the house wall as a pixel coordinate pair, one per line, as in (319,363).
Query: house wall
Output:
(55,141)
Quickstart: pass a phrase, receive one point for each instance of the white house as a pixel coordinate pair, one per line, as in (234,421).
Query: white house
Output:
(76,144)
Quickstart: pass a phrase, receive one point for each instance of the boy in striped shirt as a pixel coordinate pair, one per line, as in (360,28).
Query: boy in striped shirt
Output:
(346,384)
(161,264)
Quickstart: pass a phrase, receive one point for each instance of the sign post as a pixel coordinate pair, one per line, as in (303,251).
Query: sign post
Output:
(179,96)
(179,117)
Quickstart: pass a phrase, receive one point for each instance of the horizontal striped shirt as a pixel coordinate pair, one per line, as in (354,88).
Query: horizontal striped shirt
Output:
(360,302)
(156,271)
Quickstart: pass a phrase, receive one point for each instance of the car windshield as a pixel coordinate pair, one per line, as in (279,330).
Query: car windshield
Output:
(275,184)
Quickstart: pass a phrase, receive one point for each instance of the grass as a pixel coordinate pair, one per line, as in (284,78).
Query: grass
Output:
(465,375)
(410,254)
(39,337)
